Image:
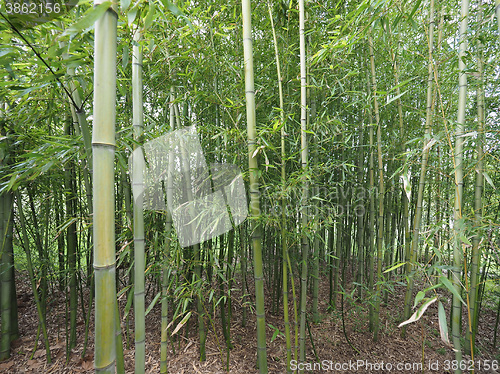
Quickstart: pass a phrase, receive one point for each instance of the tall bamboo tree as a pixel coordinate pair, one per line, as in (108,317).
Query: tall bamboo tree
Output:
(417,221)
(138,182)
(283,222)
(381,192)
(254,186)
(458,225)
(6,273)
(305,184)
(165,274)
(470,335)
(71,241)
(103,148)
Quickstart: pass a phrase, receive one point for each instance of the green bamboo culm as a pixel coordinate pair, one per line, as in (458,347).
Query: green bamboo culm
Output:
(29,264)
(284,246)
(165,277)
(72,242)
(497,11)
(458,164)
(103,148)
(305,185)
(254,186)
(423,166)
(470,336)
(6,273)
(137,181)
(380,225)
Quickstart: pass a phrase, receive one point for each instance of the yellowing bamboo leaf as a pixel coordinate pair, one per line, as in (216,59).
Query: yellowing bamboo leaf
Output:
(394,267)
(181,323)
(419,313)
(443,326)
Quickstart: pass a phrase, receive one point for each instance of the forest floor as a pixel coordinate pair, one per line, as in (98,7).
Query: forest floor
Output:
(332,352)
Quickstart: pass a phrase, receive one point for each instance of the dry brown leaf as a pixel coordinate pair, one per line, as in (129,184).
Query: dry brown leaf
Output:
(6,365)
(87,365)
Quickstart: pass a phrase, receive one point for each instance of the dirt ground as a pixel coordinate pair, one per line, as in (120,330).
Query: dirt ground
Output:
(422,351)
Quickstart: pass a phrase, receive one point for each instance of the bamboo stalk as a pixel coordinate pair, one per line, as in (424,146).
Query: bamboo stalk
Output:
(103,147)
(423,167)
(284,246)
(254,186)
(165,278)
(470,335)
(458,165)
(29,264)
(137,180)
(6,266)
(381,192)
(497,12)
(305,185)
(71,241)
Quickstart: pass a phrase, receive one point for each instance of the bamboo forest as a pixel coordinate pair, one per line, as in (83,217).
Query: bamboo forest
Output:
(251,186)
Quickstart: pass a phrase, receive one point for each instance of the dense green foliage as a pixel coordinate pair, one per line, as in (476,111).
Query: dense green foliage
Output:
(350,203)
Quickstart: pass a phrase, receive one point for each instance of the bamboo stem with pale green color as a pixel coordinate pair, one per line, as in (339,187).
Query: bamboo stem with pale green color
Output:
(29,264)
(497,12)
(423,167)
(371,224)
(138,182)
(458,225)
(305,185)
(103,147)
(71,241)
(254,186)
(6,279)
(381,192)
(470,335)
(284,247)
(165,278)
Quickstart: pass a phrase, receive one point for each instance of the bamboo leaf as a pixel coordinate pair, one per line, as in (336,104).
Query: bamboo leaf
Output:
(125,56)
(420,312)
(406,185)
(451,287)
(177,12)
(429,144)
(181,323)
(419,298)
(395,267)
(465,240)
(394,98)
(417,4)
(88,20)
(443,326)
(153,303)
(124,4)
(488,179)
(150,16)
(131,14)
